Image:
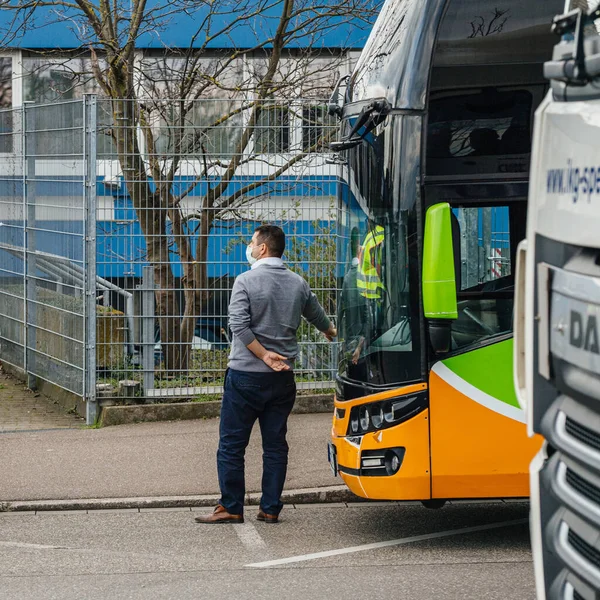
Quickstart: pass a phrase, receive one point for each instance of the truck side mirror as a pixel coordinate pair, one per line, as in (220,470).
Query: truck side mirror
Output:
(439,276)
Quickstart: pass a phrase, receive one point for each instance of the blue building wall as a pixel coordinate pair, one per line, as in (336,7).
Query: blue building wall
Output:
(120,243)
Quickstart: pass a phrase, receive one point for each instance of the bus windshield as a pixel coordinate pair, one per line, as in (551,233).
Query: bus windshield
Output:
(378,322)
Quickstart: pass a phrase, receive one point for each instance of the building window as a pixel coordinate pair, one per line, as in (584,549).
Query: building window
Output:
(273,130)
(51,80)
(316,126)
(6,87)
(6,116)
(49,86)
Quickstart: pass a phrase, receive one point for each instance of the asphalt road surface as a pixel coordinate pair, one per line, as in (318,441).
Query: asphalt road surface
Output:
(374,551)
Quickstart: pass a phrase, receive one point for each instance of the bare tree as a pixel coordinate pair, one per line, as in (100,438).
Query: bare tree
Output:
(141,93)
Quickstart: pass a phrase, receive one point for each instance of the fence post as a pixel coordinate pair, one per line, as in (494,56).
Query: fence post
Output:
(147,290)
(29,244)
(24,218)
(89,311)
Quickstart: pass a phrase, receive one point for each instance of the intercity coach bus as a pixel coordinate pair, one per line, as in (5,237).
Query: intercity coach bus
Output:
(434,161)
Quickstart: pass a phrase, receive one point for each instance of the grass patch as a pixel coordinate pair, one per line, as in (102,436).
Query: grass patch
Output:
(207,398)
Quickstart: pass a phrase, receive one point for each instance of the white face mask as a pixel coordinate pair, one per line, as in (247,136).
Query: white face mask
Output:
(249,256)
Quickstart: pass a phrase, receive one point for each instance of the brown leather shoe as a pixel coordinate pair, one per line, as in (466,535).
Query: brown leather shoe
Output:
(263,516)
(220,515)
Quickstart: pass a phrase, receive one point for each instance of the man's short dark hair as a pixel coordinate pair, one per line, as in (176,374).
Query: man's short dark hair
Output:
(273,237)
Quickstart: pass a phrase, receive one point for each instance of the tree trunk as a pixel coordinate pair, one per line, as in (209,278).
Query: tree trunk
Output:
(196,280)
(152,217)
(190,285)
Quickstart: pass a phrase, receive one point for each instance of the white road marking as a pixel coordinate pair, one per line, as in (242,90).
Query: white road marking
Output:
(31,546)
(249,536)
(376,545)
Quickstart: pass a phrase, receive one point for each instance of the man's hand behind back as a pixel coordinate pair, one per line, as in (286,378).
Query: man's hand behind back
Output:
(275,361)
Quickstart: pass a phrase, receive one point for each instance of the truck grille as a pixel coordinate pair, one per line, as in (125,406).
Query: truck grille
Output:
(582,433)
(569,591)
(585,488)
(572,508)
(566,411)
(591,554)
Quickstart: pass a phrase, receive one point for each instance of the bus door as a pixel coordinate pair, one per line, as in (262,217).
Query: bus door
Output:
(479,447)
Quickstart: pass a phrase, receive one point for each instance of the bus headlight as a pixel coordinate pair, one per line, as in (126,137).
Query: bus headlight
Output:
(393,461)
(381,462)
(388,412)
(375,416)
(364,418)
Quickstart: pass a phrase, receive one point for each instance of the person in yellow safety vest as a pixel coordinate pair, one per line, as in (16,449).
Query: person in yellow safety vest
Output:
(369,282)
(369,276)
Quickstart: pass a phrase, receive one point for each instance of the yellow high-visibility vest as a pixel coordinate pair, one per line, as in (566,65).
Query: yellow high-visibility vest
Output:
(368,278)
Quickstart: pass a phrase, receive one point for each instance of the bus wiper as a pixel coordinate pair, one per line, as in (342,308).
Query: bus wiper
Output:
(577,69)
(370,116)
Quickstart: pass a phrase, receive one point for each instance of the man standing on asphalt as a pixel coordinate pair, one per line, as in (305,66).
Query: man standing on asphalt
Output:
(265,311)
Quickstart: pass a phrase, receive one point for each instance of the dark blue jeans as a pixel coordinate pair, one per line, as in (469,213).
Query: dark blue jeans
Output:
(268,397)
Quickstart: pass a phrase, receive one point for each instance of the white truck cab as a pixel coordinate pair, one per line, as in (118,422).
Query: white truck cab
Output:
(557,317)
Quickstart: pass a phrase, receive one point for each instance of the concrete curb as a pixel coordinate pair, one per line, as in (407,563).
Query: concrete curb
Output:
(179,411)
(331,494)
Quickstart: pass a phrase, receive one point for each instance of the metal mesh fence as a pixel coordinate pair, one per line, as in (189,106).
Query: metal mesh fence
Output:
(182,186)
(12,238)
(44,255)
(124,225)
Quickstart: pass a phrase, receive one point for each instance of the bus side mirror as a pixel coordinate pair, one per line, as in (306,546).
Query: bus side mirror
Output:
(439,277)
